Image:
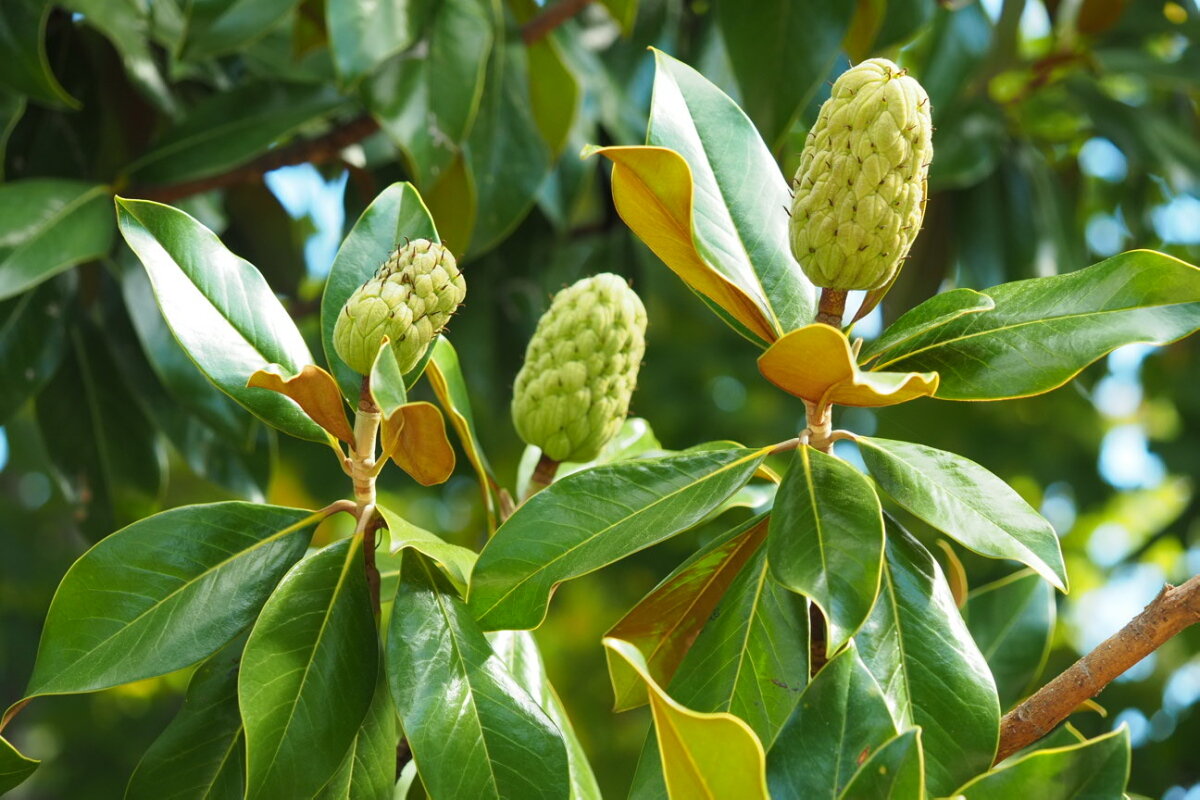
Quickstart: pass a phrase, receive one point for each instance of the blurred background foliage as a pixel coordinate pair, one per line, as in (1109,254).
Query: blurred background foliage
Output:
(1067,131)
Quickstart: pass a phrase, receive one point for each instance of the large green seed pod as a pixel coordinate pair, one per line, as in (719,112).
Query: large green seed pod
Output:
(409,300)
(860,190)
(573,391)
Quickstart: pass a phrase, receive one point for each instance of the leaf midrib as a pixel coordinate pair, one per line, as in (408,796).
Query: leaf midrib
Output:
(261,543)
(644,509)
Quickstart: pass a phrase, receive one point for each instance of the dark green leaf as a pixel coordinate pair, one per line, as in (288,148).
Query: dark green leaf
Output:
(751,660)
(12,107)
(826,539)
(107,457)
(895,771)
(33,339)
(933,313)
(232,127)
(505,155)
(201,753)
(164,593)
(740,225)
(126,23)
(308,674)
(368,771)
(966,502)
(215,27)
(23,42)
(519,652)
(473,730)
(902,20)
(1043,331)
(665,623)
(365,33)
(841,717)
(397,214)
(781,52)
(918,648)
(1097,769)
(47,226)
(220,309)
(14,767)
(1011,620)
(593,518)
(426,105)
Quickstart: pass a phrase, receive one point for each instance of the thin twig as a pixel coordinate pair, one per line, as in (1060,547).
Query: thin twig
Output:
(327,147)
(541,26)
(1175,608)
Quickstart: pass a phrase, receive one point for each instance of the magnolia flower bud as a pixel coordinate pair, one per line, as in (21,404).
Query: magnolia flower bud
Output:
(580,369)
(860,190)
(409,300)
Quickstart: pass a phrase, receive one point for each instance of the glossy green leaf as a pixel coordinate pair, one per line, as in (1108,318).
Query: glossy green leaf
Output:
(164,592)
(704,755)
(446,378)
(555,93)
(23,41)
(591,519)
(232,127)
(215,27)
(397,214)
(519,652)
(781,52)
(201,754)
(826,539)
(841,718)
(1012,620)
(368,770)
(1043,331)
(387,382)
(426,105)
(504,152)
(33,339)
(751,660)
(635,438)
(1097,769)
(894,771)
(365,33)
(474,732)
(14,767)
(220,309)
(966,502)
(932,673)
(49,225)
(933,313)
(456,561)
(739,225)
(107,457)
(186,385)
(308,674)
(665,623)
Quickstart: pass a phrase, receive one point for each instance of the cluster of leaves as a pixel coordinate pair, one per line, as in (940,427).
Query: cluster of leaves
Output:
(478,129)
(297,696)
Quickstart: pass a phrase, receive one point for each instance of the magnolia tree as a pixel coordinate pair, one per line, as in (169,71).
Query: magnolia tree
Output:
(816,649)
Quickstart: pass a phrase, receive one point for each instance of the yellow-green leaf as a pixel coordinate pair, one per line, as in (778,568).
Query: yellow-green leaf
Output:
(815,363)
(710,756)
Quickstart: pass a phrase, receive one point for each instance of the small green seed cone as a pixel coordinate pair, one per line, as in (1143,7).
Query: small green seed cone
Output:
(861,187)
(581,366)
(409,300)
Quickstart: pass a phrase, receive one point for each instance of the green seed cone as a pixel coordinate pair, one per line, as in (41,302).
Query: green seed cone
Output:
(580,369)
(409,300)
(860,190)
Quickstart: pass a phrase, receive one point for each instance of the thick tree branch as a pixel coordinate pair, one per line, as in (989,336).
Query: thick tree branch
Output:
(1175,608)
(540,26)
(317,151)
